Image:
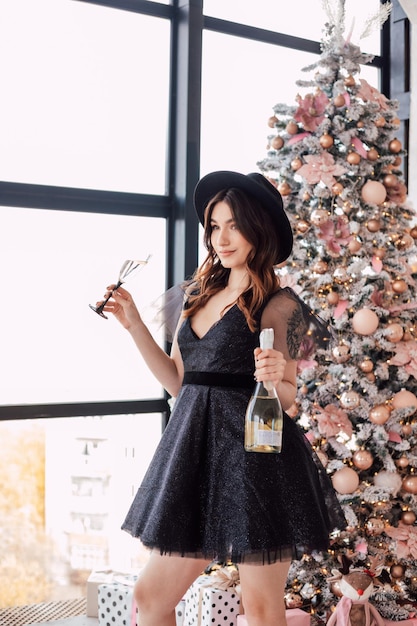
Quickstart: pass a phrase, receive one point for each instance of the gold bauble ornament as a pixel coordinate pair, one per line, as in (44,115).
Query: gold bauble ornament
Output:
(296,164)
(337,189)
(413,232)
(360,124)
(320,267)
(272,121)
(319,216)
(326,141)
(390,180)
(373,225)
(380,121)
(332,298)
(402,462)
(399,285)
(366,365)
(397,161)
(373,192)
(394,332)
(292,128)
(372,154)
(371,377)
(349,400)
(395,146)
(353,158)
(341,275)
(302,226)
(349,81)
(397,570)
(408,517)
(293,600)
(374,526)
(339,100)
(405,242)
(380,253)
(341,353)
(409,484)
(379,414)
(354,245)
(306,196)
(362,459)
(407,429)
(284,189)
(365,322)
(277,142)
(396,121)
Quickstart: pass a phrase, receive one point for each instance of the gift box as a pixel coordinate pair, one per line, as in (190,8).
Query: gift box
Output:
(116,604)
(208,605)
(99,577)
(294,617)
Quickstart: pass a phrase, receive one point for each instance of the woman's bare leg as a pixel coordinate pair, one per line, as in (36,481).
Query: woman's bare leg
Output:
(263,589)
(162,584)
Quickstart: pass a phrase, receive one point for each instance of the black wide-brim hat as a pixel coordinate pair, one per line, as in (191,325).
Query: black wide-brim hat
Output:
(255,185)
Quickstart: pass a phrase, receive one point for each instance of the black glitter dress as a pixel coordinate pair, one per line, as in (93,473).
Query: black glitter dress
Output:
(203,495)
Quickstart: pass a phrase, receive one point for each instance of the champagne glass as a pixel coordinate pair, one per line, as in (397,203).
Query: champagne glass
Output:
(126,270)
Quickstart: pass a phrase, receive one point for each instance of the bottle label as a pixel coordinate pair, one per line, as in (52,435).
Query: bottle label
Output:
(268,438)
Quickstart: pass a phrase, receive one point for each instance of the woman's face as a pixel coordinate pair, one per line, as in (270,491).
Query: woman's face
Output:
(229,244)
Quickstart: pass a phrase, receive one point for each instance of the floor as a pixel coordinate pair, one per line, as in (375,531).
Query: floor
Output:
(66,613)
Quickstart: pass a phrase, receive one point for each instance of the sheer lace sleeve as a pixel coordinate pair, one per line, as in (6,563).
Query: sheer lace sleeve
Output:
(298,331)
(166,310)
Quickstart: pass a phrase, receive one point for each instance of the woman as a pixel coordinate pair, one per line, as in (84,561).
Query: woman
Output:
(204,497)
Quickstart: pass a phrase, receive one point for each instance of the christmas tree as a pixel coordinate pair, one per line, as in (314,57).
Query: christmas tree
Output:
(336,160)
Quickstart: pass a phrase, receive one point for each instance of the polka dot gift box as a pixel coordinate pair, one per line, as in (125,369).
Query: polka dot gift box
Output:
(208,605)
(115,605)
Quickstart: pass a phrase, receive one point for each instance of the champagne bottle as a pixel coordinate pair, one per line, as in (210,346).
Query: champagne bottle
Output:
(263,419)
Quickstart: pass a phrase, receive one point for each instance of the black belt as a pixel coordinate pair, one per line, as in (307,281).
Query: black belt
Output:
(217,379)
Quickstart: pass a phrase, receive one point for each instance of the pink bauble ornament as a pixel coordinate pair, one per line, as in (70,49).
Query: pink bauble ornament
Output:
(341,353)
(319,216)
(404,399)
(293,600)
(379,414)
(373,192)
(345,480)
(365,322)
(362,459)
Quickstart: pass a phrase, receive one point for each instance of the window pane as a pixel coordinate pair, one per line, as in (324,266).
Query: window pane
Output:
(54,264)
(238,98)
(273,15)
(84,96)
(64,500)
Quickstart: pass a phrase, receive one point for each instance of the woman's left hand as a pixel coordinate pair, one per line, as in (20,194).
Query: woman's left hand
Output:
(269,365)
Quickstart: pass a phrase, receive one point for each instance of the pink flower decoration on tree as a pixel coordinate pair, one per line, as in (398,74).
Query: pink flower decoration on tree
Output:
(370,94)
(320,167)
(336,234)
(406,356)
(332,421)
(406,538)
(310,112)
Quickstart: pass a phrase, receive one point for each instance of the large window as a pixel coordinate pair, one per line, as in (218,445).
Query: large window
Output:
(84,96)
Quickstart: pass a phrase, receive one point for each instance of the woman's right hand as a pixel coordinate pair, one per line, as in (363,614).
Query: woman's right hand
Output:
(122,306)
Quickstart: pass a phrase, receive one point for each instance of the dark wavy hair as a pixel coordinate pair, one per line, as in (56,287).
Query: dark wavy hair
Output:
(257,227)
